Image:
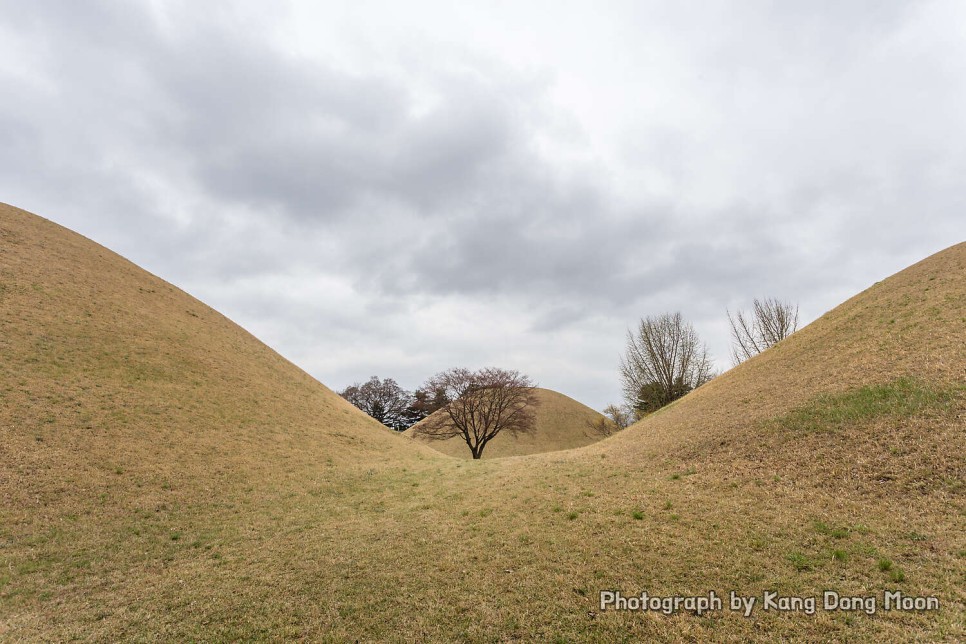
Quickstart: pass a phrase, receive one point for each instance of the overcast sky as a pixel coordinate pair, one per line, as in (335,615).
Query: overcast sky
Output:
(394,188)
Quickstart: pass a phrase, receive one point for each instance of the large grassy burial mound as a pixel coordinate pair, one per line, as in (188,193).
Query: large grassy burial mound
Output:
(560,423)
(129,408)
(106,368)
(165,476)
(836,389)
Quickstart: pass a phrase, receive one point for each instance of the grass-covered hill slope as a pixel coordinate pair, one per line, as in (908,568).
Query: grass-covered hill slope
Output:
(166,477)
(108,367)
(834,461)
(560,423)
(903,340)
(120,395)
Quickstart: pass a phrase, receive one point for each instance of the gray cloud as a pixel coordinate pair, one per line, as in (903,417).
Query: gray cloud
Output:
(371,217)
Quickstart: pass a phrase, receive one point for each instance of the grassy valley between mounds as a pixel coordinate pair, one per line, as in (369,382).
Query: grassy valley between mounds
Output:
(165,476)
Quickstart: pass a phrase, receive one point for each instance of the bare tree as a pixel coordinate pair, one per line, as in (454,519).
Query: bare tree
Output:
(614,419)
(384,400)
(602,426)
(481,404)
(664,361)
(770,321)
(619,415)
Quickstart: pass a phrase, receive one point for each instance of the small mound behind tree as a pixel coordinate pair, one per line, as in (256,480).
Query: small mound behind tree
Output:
(560,423)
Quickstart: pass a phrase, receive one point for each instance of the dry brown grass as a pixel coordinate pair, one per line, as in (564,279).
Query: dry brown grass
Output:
(560,423)
(164,476)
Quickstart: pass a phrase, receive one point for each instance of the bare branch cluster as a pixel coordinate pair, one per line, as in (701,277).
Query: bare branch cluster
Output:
(620,415)
(664,360)
(770,321)
(614,418)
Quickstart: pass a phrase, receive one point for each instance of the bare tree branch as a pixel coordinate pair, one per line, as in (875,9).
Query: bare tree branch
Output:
(770,322)
(614,419)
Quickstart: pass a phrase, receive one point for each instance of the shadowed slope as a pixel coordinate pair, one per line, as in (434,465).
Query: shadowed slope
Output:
(561,423)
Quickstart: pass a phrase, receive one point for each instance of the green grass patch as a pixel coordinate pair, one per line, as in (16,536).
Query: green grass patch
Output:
(901,398)
(800,562)
(837,533)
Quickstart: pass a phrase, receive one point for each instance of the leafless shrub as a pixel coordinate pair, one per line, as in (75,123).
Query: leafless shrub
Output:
(614,419)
